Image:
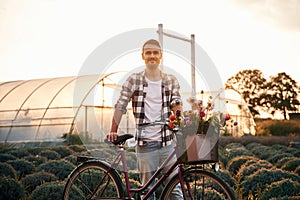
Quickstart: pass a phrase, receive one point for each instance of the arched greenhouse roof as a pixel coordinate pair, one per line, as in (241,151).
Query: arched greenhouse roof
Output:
(45,109)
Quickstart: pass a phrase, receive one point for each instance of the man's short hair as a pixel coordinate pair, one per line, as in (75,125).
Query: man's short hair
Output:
(152,41)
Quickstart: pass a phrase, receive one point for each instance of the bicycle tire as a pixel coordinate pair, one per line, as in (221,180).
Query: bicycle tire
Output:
(83,181)
(203,185)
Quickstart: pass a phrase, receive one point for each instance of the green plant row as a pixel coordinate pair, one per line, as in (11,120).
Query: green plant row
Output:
(253,170)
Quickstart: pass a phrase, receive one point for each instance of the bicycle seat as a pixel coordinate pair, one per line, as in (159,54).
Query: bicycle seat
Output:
(121,139)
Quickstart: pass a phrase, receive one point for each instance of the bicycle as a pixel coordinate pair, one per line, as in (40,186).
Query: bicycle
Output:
(97,179)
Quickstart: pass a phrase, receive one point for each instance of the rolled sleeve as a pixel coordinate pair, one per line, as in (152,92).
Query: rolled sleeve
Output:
(175,90)
(125,95)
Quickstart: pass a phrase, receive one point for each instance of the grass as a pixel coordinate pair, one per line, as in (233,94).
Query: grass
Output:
(267,127)
(265,140)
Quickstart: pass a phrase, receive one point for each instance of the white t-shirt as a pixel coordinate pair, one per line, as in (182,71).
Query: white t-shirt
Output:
(153,110)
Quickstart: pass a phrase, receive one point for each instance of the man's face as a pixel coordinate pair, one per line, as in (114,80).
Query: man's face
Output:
(152,55)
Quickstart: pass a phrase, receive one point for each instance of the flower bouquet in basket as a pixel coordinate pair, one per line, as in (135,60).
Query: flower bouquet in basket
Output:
(199,131)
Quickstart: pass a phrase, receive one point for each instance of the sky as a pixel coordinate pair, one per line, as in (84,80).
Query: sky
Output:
(53,38)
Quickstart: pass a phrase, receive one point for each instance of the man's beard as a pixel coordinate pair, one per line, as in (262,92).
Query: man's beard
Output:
(152,66)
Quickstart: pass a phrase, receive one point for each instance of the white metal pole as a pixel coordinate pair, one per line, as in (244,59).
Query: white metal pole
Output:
(193,64)
(160,37)
(86,122)
(192,42)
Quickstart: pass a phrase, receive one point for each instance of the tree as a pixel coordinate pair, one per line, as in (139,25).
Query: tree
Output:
(250,84)
(281,94)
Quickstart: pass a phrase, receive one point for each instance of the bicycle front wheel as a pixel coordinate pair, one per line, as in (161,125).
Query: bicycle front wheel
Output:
(93,180)
(198,185)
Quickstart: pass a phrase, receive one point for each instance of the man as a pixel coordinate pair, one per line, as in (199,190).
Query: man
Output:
(152,92)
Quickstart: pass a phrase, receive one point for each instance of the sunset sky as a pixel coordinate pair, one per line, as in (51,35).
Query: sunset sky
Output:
(53,38)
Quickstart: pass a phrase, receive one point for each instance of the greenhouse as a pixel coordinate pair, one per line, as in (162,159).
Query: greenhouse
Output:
(46,109)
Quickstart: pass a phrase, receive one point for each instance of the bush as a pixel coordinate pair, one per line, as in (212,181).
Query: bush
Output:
(234,164)
(134,175)
(225,175)
(10,189)
(264,152)
(284,128)
(131,160)
(281,188)
(73,139)
(290,150)
(291,165)
(4,148)
(60,168)
(72,159)
(22,166)
(48,191)
(285,149)
(105,153)
(262,178)
(278,156)
(63,151)
(296,153)
(7,170)
(101,154)
(36,160)
(50,155)
(223,159)
(287,198)
(35,150)
(260,149)
(233,145)
(6,157)
(252,145)
(280,147)
(297,171)
(268,153)
(236,149)
(250,167)
(282,161)
(77,148)
(31,181)
(19,153)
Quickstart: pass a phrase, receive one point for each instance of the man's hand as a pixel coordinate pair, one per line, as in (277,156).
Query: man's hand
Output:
(112,136)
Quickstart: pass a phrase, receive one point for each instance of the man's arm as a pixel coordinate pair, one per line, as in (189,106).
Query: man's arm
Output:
(113,134)
(120,108)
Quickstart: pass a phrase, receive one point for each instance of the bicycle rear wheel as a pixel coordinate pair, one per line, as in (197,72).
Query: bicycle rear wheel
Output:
(199,185)
(93,180)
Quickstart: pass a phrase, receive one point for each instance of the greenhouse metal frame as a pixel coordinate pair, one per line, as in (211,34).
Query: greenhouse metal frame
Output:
(45,109)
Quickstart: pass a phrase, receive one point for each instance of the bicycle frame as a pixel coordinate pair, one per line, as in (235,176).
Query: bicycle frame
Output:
(121,158)
(183,169)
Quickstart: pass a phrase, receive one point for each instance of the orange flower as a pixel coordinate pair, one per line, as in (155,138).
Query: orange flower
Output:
(172,117)
(171,125)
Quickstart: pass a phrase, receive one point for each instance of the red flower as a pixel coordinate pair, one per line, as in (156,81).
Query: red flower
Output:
(202,114)
(178,113)
(226,117)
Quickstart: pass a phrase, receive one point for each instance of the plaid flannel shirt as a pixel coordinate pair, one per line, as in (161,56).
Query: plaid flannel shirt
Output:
(134,89)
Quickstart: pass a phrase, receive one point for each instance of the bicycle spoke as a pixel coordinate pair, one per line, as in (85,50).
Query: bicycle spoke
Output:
(93,181)
(200,185)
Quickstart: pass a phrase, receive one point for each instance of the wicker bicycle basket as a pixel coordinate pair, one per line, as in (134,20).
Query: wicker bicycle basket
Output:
(197,148)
